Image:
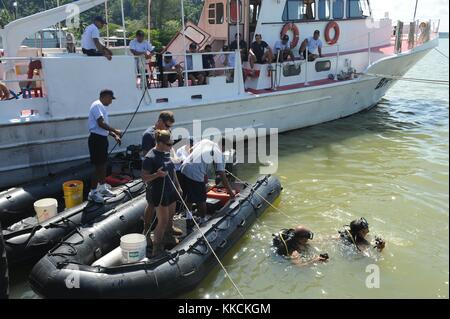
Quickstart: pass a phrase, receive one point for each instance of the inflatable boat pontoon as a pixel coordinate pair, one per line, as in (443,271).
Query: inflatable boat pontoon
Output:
(34,241)
(66,271)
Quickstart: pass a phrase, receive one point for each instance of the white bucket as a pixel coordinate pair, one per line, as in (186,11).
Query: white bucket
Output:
(133,247)
(45,209)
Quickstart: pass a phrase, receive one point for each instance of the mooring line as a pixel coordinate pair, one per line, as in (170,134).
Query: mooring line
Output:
(207,242)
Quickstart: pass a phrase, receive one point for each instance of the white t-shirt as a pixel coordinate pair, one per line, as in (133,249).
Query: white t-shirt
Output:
(87,39)
(98,110)
(169,65)
(313,44)
(204,154)
(231,59)
(280,46)
(182,154)
(141,47)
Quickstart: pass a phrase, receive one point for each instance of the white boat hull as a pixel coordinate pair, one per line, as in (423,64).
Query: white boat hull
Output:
(38,148)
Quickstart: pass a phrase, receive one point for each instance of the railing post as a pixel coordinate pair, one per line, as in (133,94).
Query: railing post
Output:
(337,61)
(306,66)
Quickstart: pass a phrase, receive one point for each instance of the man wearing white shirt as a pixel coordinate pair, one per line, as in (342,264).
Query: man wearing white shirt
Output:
(90,40)
(314,45)
(283,49)
(99,129)
(140,46)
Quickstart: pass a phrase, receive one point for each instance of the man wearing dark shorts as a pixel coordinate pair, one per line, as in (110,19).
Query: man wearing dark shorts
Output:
(158,171)
(99,129)
(195,173)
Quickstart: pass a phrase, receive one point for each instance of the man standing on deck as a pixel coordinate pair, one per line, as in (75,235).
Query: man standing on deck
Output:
(140,46)
(98,144)
(90,40)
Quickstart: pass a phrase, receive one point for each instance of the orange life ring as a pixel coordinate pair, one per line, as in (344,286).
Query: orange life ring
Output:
(337,32)
(291,27)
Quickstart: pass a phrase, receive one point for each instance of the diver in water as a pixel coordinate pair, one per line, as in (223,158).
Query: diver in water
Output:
(355,234)
(293,243)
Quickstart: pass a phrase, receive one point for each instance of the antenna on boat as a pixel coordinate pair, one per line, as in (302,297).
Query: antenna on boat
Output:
(238,29)
(415,10)
(183,27)
(123,26)
(149,5)
(107,23)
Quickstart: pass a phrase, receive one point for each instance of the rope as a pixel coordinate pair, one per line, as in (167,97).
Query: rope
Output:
(207,242)
(262,197)
(401,78)
(132,118)
(441,53)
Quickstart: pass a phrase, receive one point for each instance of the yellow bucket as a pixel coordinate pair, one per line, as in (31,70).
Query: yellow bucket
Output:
(73,193)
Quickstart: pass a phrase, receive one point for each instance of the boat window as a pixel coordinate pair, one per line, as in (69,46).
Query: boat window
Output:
(324,9)
(338,9)
(292,69)
(194,35)
(48,35)
(216,13)
(322,66)
(299,10)
(358,9)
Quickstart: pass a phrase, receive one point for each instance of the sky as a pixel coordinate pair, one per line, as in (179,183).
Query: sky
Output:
(404,10)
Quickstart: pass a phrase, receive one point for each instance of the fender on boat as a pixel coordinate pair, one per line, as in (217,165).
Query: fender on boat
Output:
(4,279)
(65,272)
(17,203)
(32,243)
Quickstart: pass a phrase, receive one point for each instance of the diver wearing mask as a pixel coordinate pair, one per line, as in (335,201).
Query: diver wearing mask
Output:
(293,243)
(356,233)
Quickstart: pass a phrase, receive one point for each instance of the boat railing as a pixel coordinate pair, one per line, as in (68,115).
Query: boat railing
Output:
(151,69)
(22,76)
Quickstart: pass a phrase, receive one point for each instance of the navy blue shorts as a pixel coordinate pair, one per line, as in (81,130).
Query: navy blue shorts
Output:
(195,192)
(98,149)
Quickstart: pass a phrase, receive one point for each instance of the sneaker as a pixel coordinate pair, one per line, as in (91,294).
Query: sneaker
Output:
(96,197)
(104,191)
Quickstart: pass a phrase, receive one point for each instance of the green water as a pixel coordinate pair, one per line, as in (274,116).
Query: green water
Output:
(390,165)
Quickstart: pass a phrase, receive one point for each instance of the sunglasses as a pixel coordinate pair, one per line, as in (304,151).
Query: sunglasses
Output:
(169,144)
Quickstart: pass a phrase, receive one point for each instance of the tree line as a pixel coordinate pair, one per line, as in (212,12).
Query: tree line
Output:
(165,15)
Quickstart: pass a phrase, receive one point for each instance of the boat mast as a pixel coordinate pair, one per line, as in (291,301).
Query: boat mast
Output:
(149,18)
(107,23)
(123,26)
(415,10)
(183,27)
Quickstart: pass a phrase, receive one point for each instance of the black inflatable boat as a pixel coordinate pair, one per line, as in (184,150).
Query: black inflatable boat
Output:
(66,271)
(34,241)
(17,203)
(4,279)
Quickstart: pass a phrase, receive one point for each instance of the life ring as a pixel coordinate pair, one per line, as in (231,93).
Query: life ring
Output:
(291,27)
(337,32)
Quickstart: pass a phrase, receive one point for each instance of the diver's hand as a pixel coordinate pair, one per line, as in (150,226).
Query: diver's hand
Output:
(321,259)
(380,244)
